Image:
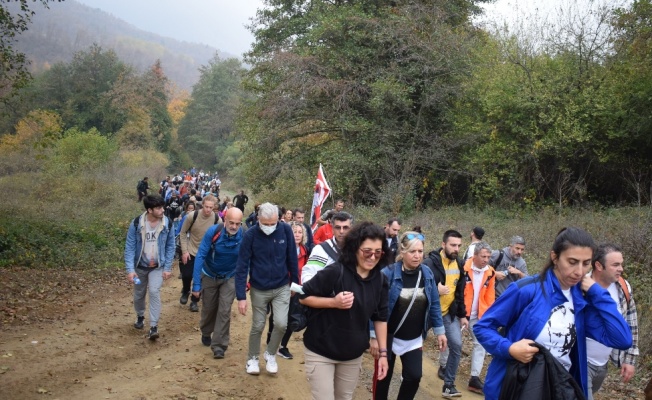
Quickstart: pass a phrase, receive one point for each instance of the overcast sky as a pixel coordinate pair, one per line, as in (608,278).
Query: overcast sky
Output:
(221,23)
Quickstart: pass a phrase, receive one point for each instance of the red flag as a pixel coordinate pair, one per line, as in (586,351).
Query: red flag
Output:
(322,190)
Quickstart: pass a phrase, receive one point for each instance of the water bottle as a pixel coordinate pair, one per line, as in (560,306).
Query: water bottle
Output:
(136,280)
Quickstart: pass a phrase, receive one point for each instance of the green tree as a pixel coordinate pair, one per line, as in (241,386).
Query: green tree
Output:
(365,87)
(209,118)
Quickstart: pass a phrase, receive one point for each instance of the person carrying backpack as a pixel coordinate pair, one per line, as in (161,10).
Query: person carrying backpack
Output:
(214,281)
(149,251)
(142,188)
(192,232)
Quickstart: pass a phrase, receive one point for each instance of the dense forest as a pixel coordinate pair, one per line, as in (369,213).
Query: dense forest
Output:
(406,104)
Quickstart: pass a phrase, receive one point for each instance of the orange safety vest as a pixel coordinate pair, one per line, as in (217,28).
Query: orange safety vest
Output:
(487,290)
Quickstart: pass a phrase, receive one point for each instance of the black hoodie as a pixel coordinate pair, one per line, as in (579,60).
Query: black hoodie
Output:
(343,335)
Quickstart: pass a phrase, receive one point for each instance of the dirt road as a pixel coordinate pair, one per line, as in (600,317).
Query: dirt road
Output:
(66,335)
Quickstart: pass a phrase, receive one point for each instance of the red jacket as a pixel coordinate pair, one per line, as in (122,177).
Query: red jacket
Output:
(324,233)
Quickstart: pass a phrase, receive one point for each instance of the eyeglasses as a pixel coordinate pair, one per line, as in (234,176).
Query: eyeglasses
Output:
(419,236)
(367,253)
(341,228)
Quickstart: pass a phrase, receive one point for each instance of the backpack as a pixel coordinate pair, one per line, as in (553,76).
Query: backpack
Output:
(141,186)
(499,259)
(623,285)
(299,314)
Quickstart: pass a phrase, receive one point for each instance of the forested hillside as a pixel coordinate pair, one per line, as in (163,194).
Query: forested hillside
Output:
(55,35)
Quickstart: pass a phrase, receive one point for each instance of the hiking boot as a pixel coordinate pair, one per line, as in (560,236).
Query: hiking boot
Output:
(285,353)
(184,298)
(270,361)
(206,340)
(219,354)
(440,372)
(252,366)
(476,385)
(153,333)
(193,306)
(139,324)
(449,391)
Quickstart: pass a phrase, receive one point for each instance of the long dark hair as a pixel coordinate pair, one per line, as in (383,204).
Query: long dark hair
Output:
(567,238)
(353,240)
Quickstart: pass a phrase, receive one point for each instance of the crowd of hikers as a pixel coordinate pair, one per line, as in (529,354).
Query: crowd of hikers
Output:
(362,287)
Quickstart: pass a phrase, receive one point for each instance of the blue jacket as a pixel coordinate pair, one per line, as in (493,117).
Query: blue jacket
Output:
(394,276)
(270,260)
(523,309)
(135,240)
(217,261)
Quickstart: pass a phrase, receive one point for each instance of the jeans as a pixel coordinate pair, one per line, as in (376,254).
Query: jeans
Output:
(451,359)
(151,281)
(596,375)
(217,297)
(280,301)
(477,358)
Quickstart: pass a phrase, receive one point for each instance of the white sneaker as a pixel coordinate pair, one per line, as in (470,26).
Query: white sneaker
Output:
(270,365)
(252,366)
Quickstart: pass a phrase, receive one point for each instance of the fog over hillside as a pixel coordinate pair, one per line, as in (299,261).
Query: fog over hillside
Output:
(68,27)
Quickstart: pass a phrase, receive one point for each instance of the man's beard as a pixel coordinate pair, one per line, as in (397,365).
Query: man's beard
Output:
(451,256)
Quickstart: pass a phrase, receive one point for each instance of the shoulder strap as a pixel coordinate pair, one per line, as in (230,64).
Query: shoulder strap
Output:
(414,296)
(194,218)
(217,218)
(623,285)
(501,253)
(217,234)
(329,250)
(136,222)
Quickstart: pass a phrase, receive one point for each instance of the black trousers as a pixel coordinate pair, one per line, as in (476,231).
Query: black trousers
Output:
(187,270)
(412,363)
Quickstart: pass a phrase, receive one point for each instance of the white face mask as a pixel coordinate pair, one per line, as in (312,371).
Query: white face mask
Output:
(268,230)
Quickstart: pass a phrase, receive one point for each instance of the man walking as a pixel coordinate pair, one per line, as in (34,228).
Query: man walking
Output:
(240,201)
(392,228)
(213,278)
(327,252)
(149,251)
(509,264)
(607,272)
(479,295)
(192,232)
(269,256)
(477,234)
(142,188)
(448,277)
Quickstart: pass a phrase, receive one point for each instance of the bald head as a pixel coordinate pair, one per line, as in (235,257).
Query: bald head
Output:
(233,220)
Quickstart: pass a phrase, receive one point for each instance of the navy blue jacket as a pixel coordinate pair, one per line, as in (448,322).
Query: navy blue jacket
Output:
(269,260)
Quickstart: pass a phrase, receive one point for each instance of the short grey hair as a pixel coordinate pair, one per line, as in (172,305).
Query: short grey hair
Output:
(267,210)
(517,240)
(481,246)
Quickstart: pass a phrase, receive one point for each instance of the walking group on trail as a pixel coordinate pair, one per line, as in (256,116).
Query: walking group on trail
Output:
(363,287)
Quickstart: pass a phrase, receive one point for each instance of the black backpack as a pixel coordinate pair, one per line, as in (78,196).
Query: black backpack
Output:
(299,314)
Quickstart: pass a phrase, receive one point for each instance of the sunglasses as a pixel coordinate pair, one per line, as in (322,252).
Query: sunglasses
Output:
(419,236)
(367,253)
